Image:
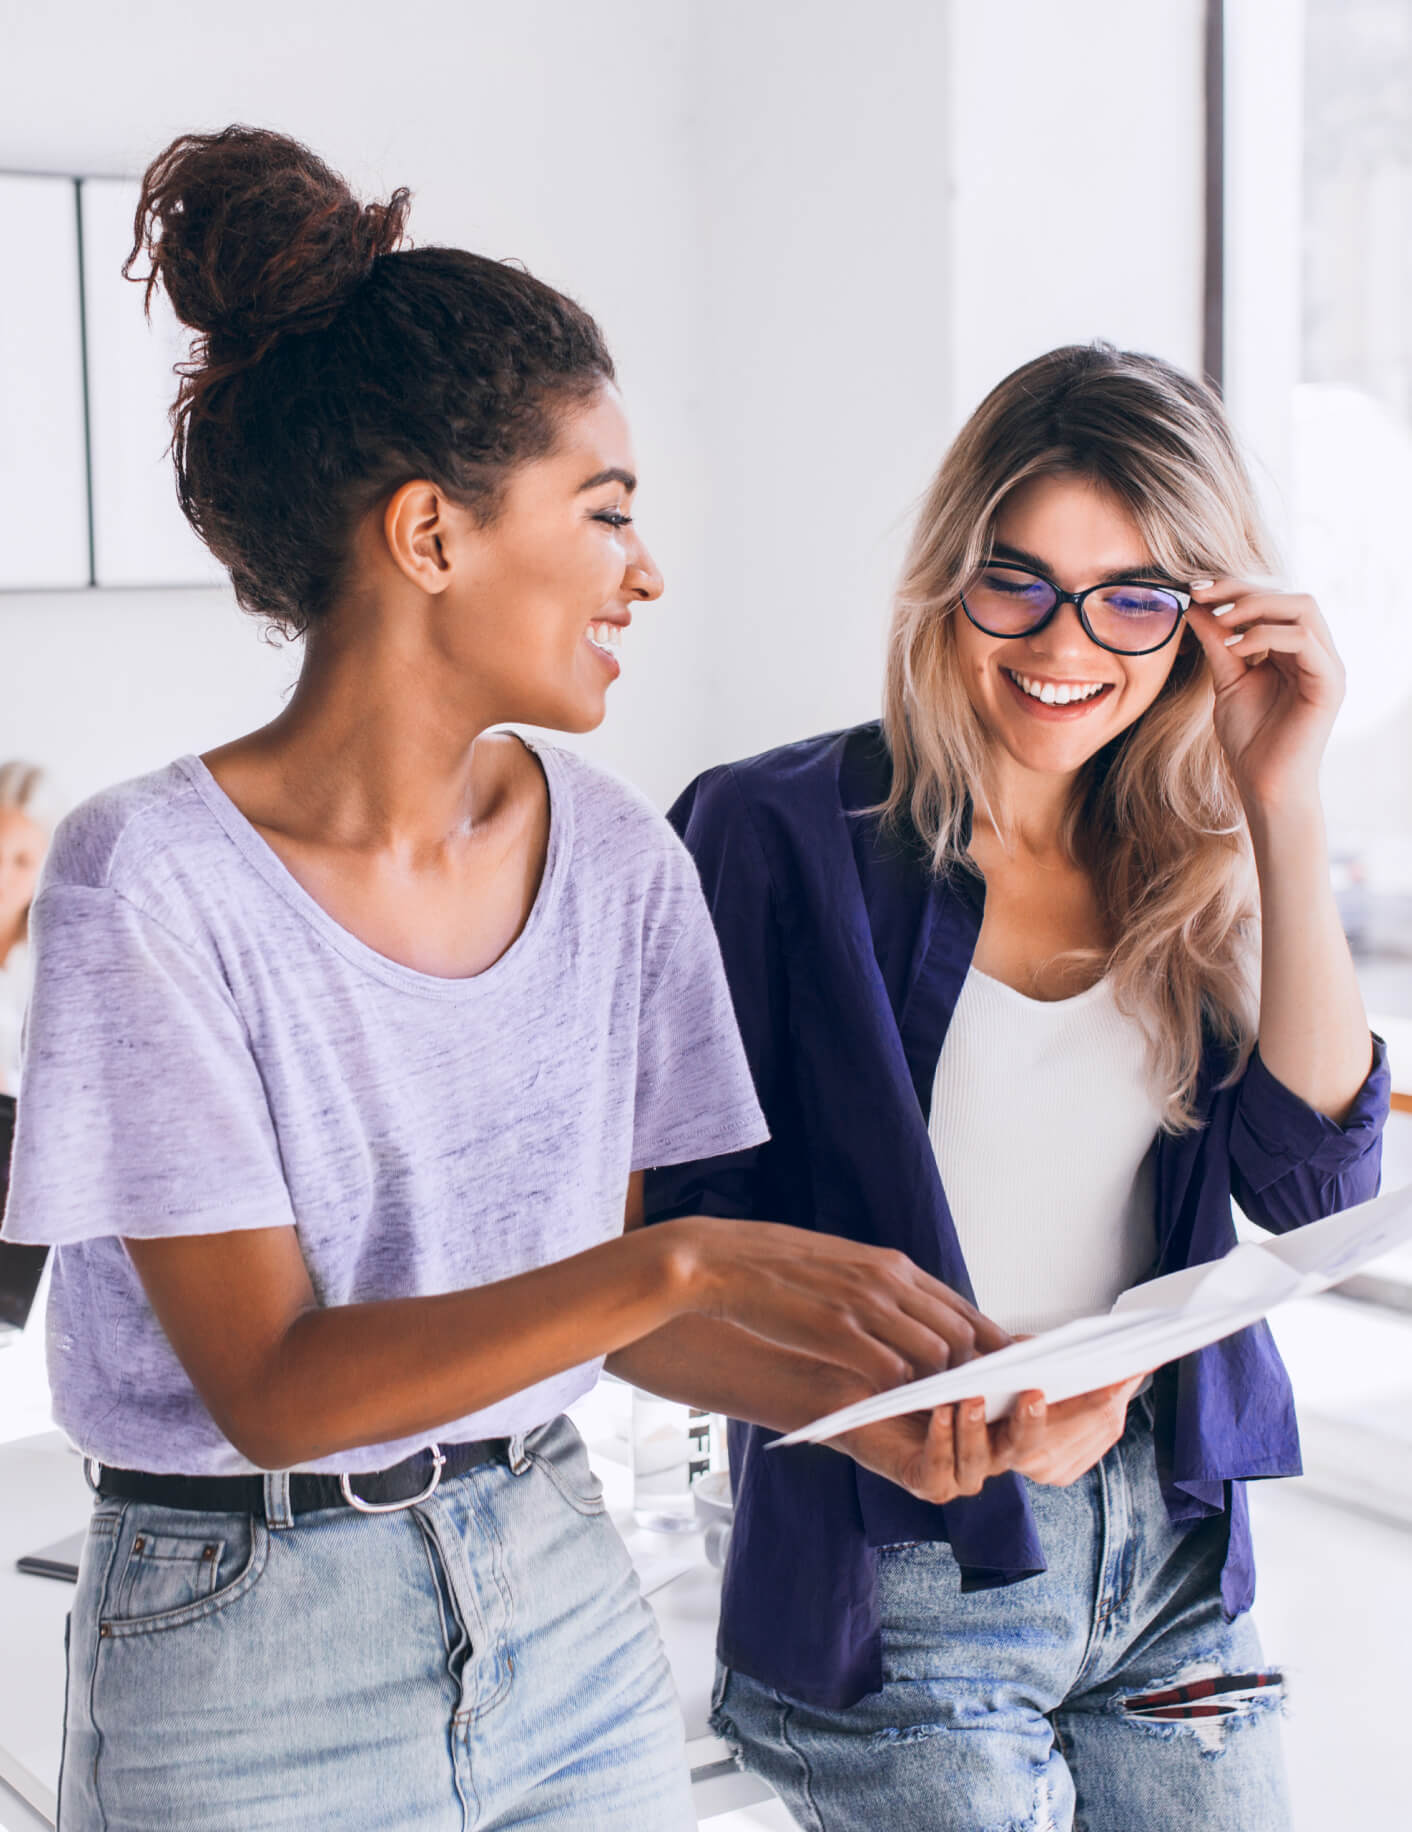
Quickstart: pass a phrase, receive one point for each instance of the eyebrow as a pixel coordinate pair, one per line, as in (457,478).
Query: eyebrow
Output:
(612,475)
(1017,556)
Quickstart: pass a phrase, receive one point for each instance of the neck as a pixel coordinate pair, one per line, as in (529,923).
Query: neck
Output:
(1028,810)
(376,748)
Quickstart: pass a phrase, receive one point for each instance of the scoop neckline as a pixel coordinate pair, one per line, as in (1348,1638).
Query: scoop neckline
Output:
(262,857)
(1067,1004)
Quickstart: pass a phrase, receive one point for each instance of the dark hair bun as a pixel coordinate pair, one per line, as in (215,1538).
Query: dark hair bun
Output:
(331,366)
(251,236)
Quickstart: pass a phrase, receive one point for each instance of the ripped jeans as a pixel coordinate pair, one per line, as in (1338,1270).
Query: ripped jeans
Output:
(1108,1694)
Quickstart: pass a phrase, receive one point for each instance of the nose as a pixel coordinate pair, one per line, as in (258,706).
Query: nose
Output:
(1064,634)
(642,579)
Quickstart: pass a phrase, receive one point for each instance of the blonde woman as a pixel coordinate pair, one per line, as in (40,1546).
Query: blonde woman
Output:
(1035,976)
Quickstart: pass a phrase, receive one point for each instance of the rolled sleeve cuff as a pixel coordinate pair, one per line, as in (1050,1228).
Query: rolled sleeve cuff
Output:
(1275,1131)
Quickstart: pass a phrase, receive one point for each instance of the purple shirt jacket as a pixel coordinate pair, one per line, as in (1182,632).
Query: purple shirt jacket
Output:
(845,955)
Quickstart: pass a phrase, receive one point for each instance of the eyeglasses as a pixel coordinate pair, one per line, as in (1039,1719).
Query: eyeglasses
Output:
(1125,616)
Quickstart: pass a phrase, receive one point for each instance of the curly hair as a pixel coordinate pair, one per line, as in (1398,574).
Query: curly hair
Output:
(331,364)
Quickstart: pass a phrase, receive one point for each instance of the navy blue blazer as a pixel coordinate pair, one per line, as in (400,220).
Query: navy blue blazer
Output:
(845,955)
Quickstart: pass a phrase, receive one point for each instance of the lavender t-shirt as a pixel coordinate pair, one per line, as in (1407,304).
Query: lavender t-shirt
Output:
(208,1049)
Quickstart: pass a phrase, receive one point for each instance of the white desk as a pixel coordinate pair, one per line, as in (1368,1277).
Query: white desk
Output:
(43,1497)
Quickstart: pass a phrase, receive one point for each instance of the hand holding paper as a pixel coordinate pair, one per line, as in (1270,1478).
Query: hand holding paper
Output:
(1152,1324)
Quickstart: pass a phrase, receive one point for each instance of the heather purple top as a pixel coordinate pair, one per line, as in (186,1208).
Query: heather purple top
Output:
(208,1050)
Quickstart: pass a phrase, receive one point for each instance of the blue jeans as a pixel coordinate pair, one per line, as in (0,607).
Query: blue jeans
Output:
(1028,1709)
(484,1659)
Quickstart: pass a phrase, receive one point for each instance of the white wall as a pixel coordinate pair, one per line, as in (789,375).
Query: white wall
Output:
(1077,146)
(821,187)
(814,233)
(899,204)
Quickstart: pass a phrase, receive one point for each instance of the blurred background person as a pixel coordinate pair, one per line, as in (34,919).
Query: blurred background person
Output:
(27,815)
(26,822)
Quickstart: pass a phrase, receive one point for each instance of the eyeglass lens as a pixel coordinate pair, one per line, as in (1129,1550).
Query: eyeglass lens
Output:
(1006,601)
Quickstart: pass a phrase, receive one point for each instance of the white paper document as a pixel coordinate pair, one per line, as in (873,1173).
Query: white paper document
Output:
(1152,1324)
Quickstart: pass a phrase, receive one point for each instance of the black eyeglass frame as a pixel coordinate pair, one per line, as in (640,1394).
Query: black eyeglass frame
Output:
(1077,600)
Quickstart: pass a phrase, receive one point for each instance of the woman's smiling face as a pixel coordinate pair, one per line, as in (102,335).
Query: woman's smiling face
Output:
(1077,535)
(520,616)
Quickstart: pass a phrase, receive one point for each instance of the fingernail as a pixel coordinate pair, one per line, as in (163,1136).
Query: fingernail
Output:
(1034,1408)
(1219,610)
(1231,641)
(1202,585)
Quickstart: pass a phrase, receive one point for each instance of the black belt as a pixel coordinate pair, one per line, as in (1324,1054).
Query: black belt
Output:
(372,1492)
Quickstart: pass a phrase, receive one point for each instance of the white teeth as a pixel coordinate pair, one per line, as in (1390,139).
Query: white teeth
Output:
(1056,695)
(605,636)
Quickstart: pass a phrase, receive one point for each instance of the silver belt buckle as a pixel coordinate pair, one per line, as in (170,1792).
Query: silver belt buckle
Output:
(438,1463)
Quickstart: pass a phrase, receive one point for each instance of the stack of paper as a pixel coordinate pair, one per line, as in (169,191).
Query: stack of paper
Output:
(1152,1324)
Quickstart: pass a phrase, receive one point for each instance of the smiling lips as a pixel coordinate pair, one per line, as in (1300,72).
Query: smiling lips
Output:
(606,637)
(1057,693)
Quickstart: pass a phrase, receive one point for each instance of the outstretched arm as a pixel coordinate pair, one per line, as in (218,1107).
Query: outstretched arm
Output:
(289,1380)
(937,1456)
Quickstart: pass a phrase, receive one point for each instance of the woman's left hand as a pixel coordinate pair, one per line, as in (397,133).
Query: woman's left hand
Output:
(1279,683)
(1057,1444)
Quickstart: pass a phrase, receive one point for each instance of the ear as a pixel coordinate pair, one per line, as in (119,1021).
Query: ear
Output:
(416,527)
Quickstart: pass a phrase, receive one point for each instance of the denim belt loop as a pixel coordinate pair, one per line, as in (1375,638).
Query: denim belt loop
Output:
(520,1459)
(278,1513)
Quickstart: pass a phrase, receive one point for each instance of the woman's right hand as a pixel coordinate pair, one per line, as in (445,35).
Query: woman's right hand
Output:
(867,1309)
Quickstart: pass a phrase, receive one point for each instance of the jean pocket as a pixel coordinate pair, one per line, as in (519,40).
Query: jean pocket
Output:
(561,1456)
(165,1574)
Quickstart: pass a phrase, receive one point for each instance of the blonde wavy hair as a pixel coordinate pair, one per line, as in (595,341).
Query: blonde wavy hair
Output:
(1155,816)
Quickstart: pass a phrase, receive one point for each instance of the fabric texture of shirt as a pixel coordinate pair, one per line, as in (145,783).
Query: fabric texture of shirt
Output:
(846,956)
(1058,1230)
(208,1050)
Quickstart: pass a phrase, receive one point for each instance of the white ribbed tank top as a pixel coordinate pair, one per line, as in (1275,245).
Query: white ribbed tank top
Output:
(1043,1124)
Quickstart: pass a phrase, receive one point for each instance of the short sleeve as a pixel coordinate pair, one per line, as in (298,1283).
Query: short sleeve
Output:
(695,1096)
(715,825)
(143,1112)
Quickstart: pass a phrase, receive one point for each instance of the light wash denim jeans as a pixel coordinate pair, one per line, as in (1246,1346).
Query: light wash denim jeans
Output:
(1022,1709)
(484,1660)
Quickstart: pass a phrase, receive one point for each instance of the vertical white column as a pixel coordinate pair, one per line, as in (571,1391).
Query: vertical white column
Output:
(1264,228)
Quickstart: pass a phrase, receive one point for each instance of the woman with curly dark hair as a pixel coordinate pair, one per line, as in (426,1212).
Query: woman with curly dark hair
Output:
(349,1043)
